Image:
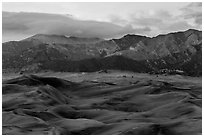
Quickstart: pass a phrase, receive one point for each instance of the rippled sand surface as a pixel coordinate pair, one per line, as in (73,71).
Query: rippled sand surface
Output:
(110,103)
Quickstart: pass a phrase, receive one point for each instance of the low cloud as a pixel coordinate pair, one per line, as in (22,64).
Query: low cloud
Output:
(19,25)
(193,11)
(27,24)
(147,21)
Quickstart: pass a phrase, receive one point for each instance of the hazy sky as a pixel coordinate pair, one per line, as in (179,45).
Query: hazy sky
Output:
(105,20)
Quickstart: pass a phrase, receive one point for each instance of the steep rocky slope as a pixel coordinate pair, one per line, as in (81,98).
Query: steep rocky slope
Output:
(173,52)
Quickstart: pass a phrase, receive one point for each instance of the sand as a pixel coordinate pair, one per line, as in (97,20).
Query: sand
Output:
(112,103)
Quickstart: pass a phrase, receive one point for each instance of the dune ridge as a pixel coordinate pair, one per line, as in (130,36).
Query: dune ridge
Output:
(102,104)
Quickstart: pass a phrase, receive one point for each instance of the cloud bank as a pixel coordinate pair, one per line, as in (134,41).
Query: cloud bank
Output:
(21,24)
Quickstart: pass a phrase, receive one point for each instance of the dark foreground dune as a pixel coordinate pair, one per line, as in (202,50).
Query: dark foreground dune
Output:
(102,103)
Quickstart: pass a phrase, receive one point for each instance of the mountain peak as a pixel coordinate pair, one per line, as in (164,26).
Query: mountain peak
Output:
(133,35)
(61,39)
(192,30)
(77,38)
(47,35)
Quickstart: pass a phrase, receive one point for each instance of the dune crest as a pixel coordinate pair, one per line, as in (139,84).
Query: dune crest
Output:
(102,104)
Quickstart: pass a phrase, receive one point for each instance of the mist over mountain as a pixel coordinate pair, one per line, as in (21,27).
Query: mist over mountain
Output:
(171,53)
(18,25)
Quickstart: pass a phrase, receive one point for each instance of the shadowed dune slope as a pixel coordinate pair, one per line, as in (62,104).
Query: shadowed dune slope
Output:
(50,105)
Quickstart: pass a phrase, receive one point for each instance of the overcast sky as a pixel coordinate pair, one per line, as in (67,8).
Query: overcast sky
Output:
(104,20)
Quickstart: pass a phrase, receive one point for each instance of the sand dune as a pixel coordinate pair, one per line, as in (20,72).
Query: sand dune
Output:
(99,103)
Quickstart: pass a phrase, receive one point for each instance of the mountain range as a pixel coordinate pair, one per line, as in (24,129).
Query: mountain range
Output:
(178,52)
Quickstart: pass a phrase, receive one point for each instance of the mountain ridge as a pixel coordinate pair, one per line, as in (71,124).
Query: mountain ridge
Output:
(171,51)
